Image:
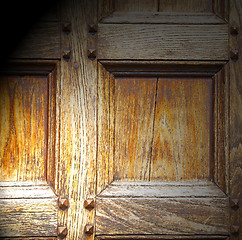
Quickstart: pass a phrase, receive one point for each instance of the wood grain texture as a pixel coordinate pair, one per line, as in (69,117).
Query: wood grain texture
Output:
(105,125)
(221,9)
(132,68)
(30,238)
(160,237)
(219,168)
(134,120)
(105,7)
(162,190)
(136,5)
(185,5)
(24,107)
(201,99)
(236,116)
(183,216)
(26,192)
(42,41)
(124,41)
(48,71)
(28,217)
(182,130)
(162,18)
(78,135)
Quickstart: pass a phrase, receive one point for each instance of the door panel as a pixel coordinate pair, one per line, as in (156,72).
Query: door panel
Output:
(169,150)
(24,111)
(27,198)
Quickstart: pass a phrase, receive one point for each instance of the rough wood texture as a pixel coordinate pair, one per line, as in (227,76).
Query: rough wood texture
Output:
(35,115)
(162,216)
(30,238)
(182,138)
(221,9)
(185,5)
(236,116)
(31,191)
(28,217)
(78,135)
(162,18)
(105,128)
(221,116)
(162,189)
(183,130)
(160,237)
(43,41)
(136,5)
(23,111)
(134,68)
(124,41)
(105,7)
(134,121)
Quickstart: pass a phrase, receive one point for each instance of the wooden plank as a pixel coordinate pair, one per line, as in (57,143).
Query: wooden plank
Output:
(182,148)
(159,183)
(42,41)
(185,5)
(104,129)
(173,42)
(236,116)
(11,192)
(78,122)
(23,110)
(160,237)
(134,120)
(28,217)
(162,190)
(136,5)
(162,18)
(30,238)
(183,216)
(220,144)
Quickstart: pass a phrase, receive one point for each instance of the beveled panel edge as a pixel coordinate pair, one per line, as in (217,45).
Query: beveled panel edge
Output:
(162,68)
(189,189)
(163,237)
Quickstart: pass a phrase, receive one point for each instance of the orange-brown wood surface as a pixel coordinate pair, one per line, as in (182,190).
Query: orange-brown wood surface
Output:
(134,120)
(23,107)
(78,134)
(183,130)
(163,128)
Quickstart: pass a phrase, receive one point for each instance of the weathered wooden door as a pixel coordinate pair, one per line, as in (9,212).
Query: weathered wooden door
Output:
(120,119)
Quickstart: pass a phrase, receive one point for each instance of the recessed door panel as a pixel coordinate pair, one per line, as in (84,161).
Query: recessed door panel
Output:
(23,146)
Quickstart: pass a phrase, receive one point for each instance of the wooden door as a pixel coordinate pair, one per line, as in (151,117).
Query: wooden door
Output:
(120,119)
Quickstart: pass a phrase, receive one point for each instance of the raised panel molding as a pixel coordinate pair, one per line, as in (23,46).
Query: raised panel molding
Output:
(142,11)
(126,198)
(28,203)
(109,70)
